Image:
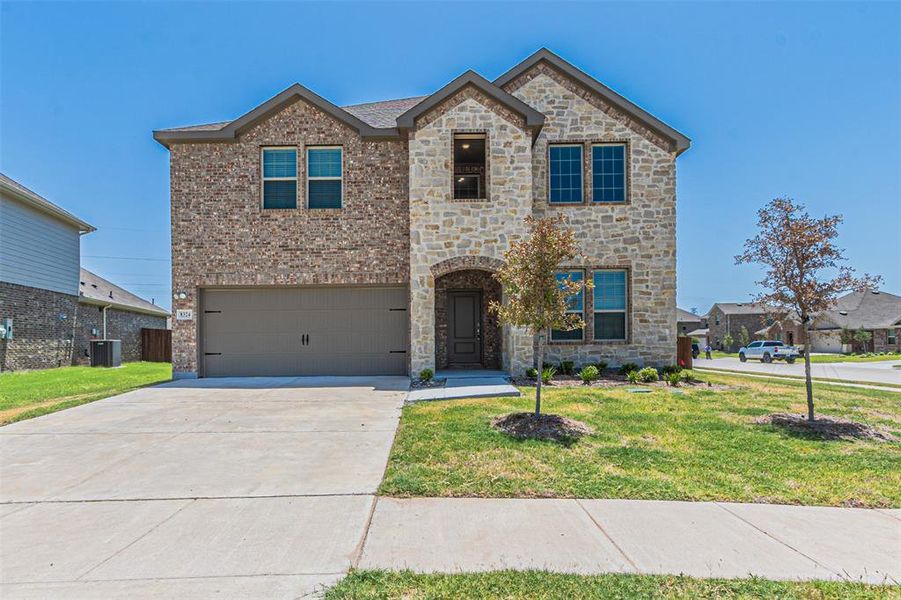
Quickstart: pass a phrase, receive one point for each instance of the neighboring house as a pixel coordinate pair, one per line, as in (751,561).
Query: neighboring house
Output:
(687,322)
(40,289)
(107,311)
(308,238)
(874,311)
(727,318)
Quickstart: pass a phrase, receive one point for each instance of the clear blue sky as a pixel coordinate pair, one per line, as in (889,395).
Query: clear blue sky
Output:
(799,99)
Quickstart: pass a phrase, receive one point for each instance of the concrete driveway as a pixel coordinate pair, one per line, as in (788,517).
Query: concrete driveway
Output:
(258,487)
(871,372)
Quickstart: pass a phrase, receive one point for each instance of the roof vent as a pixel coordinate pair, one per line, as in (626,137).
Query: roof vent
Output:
(874,292)
(93,285)
(739,304)
(111,294)
(843,313)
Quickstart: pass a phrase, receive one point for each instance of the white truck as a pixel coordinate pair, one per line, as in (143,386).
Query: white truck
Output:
(767,351)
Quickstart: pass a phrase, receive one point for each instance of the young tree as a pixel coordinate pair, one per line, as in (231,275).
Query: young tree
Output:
(728,340)
(803,270)
(744,338)
(863,336)
(535,298)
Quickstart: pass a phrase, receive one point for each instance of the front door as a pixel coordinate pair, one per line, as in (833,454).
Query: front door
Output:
(464,313)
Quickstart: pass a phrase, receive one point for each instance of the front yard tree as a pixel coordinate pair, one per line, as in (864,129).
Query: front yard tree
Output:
(744,338)
(863,337)
(534,296)
(802,266)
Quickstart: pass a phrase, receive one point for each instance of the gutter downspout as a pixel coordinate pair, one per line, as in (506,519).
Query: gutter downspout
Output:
(104,319)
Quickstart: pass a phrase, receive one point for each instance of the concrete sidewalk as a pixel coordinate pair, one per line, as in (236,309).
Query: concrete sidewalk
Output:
(876,373)
(701,539)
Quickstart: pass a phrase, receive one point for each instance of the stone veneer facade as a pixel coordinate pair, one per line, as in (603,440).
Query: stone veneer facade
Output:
(470,279)
(400,225)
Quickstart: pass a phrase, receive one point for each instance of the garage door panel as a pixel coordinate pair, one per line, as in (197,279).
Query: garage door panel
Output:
(351,331)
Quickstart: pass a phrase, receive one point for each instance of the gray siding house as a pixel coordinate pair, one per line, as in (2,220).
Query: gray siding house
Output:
(43,306)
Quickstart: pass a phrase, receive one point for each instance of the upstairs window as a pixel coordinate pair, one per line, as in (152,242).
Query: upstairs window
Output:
(279,178)
(610,292)
(608,172)
(324,177)
(565,173)
(470,167)
(575,305)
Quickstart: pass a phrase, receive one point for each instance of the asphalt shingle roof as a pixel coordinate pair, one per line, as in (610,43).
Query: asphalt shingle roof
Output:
(97,290)
(383,113)
(867,309)
(740,308)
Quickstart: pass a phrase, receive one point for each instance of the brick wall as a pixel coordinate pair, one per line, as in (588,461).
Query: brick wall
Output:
(120,325)
(732,325)
(41,338)
(638,235)
(222,237)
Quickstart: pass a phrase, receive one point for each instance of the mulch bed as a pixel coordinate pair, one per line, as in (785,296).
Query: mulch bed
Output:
(826,428)
(419,384)
(552,428)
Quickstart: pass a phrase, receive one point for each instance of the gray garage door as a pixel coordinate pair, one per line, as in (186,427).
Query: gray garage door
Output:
(304,331)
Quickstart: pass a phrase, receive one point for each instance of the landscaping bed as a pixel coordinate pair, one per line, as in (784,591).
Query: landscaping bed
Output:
(692,443)
(522,585)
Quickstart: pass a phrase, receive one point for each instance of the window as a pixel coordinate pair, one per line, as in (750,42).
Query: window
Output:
(610,305)
(608,173)
(324,170)
(891,336)
(470,167)
(565,173)
(279,178)
(576,306)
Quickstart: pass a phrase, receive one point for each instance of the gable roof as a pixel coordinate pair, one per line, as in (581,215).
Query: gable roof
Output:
(94,289)
(32,199)
(383,113)
(680,141)
(684,315)
(534,119)
(868,309)
(739,308)
(230,129)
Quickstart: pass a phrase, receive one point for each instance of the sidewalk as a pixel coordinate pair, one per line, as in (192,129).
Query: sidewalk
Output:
(701,539)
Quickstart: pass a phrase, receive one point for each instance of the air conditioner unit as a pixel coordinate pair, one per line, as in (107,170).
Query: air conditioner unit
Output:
(106,353)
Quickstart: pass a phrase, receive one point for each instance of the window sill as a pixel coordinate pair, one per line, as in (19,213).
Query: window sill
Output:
(469,200)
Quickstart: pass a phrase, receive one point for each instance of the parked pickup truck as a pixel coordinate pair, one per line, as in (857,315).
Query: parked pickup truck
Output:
(768,351)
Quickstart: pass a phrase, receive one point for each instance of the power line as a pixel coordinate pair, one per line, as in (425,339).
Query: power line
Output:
(127,258)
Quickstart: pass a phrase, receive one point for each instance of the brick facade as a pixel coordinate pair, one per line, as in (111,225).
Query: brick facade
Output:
(721,324)
(221,235)
(120,325)
(400,224)
(43,327)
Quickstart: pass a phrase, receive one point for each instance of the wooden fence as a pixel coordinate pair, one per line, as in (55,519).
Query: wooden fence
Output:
(156,345)
(683,352)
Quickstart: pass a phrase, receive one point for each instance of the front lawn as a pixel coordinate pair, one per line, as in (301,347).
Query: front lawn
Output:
(512,585)
(682,444)
(853,358)
(27,394)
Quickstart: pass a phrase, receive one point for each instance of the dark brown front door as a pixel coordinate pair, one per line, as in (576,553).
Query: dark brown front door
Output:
(464,314)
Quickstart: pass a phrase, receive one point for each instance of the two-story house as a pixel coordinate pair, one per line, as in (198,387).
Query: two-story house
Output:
(309,238)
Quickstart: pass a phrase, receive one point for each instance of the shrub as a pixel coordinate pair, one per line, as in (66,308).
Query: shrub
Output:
(601,365)
(548,374)
(687,375)
(633,377)
(426,374)
(589,374)
(648,375)
(670,369)
(627,368)
(673,379)
(532,373)
(567,367)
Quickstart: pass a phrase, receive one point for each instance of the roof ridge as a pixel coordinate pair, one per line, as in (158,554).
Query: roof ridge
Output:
(420,97)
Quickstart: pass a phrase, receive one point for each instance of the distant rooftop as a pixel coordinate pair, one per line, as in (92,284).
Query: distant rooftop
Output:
(96,290)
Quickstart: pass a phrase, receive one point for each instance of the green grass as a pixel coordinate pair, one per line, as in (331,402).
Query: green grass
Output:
(700,368)
(28,394)
(700,444)
(510,585)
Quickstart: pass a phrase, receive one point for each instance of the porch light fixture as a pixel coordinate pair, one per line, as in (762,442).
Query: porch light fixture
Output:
(465,146)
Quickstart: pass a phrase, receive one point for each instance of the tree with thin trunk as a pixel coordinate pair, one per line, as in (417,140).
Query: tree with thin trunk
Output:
(802,265)
(744,337)
(535,297)
(863,337)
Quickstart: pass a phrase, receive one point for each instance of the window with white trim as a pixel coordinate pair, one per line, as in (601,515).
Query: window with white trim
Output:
(279,178)
(610,302)
(575,305)
(565,173)
(325,169)
(890,335)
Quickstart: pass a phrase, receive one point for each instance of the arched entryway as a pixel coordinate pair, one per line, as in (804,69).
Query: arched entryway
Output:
(467,334)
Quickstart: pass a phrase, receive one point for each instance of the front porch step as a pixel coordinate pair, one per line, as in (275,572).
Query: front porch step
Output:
(456,388)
